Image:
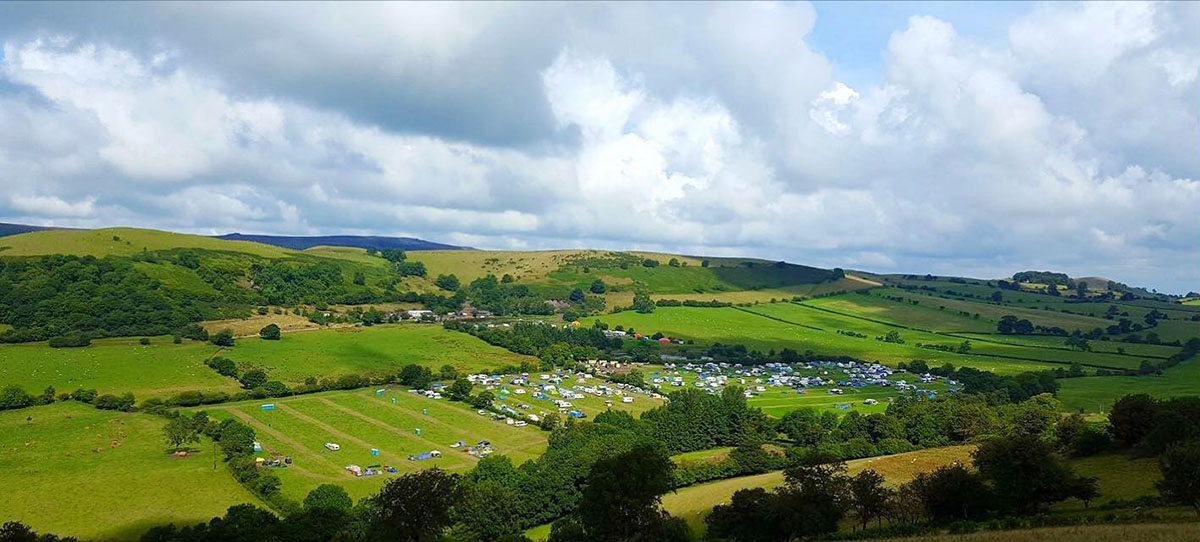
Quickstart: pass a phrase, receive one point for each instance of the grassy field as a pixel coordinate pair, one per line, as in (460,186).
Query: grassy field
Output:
(694,503)
(1097,393)
(734,326)
(1165,532)
(359,420)
(113,366)
(124,242)
(377,349)
(907,314)
(66,470)
(992,312)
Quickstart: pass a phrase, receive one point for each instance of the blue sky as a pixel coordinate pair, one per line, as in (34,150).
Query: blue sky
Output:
(854,34)
(974,139)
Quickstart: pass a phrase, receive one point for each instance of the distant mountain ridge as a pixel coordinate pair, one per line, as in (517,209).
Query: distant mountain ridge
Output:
(7,229)
(296,242)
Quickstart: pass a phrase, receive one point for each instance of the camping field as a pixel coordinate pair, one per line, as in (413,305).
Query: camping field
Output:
(359,420)
(368,350)
(64,466)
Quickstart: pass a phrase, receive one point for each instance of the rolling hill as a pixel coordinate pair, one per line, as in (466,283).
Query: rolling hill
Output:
(356,241)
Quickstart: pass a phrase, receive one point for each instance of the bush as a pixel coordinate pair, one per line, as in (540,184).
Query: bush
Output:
(70,341)
(143,341)
(124,403)
(14,396)
(223,338)
(270,332)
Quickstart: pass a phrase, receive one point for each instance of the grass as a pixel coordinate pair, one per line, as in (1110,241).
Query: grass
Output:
(249,326)
(78,471)
(694,503)
(369,350)
(113,366)
(753,329)
(993,312)
(1164,532)
(1121,477)
(1097,393)
(125,242)
(907,314)
(779,400)
(360,420)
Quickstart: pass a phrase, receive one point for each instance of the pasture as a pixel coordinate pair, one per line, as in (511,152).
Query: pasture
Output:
(115,366)
(1097,393)
(1148,532)
(755,329)
(84,461)
(695,502)
(368,350)
(125,242)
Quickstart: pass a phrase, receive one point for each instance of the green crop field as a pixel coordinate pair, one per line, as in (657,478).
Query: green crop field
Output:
(369,350)
(736,326)
(128,241)
(906,314)
(113,366)
(1097,393)
(77,471)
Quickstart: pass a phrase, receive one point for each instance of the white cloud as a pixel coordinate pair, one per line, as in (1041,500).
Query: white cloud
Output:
(51,206)
(711,128)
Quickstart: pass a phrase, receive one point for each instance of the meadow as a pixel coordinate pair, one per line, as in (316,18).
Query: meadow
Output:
(755,329)
(368,350)
(114,366)
(85,460)
(125,242)
(1097,393)
(695,502)
(1151,532)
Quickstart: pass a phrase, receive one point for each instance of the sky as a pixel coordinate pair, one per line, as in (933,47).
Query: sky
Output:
(933,137)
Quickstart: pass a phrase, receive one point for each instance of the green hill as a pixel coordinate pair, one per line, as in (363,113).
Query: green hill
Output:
(124,242)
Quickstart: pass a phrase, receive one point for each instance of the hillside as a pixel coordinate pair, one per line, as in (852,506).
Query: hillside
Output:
(7,229)
(356,241)
(123,242)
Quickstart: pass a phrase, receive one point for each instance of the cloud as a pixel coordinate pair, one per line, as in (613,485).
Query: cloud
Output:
(51,206)
(701,128)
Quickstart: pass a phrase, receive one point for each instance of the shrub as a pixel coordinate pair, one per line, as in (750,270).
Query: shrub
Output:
(223,338)
(14,397)
(270,332)
(70,341)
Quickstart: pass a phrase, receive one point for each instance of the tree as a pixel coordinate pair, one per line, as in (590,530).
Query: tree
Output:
(1132,418)
(642,302)
(447,372)
(506,279)
(806,426)
(447,282)
(328,497)
(623,493)
(179,431)
(460,389)
(223,338)
(1081,289)
(951,493)
(416,376)
(1180,466)
(598,287)
(235,438)
(704,263)
(253,378)
(270,332)
(14,396)
(576,295)
(673,262)
(1024,472)
(414,507)
(868,496)
(359,278)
